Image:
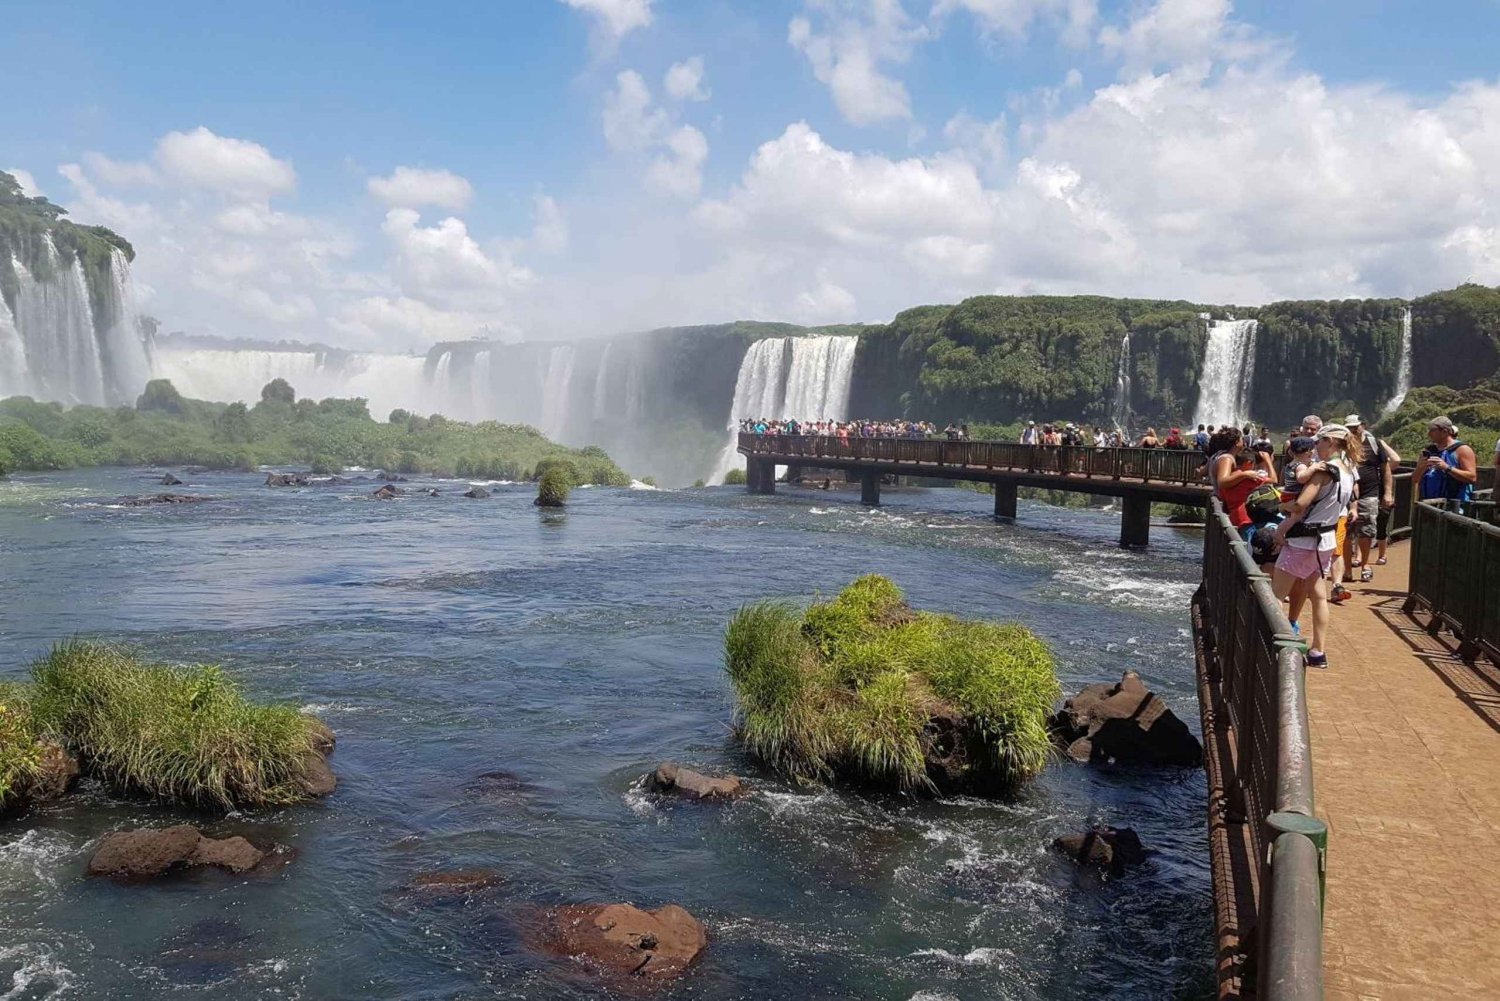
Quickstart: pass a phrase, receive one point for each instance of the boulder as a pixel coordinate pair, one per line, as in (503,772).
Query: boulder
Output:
(671,778)
(162,499)
(386,492)
(1111,847)
(476,493)
(323,740)
(432,491)
(56,773)
(1124,723)
(168,480)
(287,479)
(317,778)
(620,940)
(153,852)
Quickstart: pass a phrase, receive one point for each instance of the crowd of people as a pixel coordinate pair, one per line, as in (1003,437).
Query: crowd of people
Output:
(853,429)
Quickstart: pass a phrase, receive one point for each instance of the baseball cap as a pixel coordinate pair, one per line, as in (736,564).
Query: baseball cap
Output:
(1335,431)
(1303,443)
(1352,420)
(1443,422)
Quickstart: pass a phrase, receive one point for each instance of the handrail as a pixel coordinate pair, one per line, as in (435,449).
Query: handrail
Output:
(1255,667)
(1455,572)
(1174,467)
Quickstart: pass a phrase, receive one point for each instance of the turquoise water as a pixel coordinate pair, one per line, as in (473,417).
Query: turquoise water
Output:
(443,638)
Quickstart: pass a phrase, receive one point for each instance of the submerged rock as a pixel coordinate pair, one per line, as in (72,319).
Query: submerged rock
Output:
(499,786)
(670,778)
(1111,847)
(152,852)
(168,480)
(621,940)
(208,952)
(163,499)
(387,492)
(1126,723)
(456,884)
(476,493)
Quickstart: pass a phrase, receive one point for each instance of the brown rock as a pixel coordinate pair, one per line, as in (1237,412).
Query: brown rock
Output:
(144,852)
(386,492)
(234,854)
(323,740)
(56,773)
(672,778)
(317,778)
(1111,847)
(1124,723)
(453,884)
(620,940)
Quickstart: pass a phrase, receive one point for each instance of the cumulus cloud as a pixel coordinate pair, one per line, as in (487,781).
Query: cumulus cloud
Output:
(1013,18)
(28,183)
(615,18)
(233,166)
(1177,32)
(549,233)
(634,124)
(684,81)
(847,49)
(414,187)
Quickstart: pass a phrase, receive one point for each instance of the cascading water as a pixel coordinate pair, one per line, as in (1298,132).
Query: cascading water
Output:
(557,388)
(15,377)
(807,378)
(601,385)
(1403,368)
(480,386)
(1120,412)
(1228,370)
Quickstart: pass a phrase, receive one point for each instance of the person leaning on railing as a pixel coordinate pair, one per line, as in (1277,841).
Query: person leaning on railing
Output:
(1449,467)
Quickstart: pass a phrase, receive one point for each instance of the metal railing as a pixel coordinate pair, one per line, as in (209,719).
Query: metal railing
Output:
(1255,667)
(1405,490)
(1147,465)
(1455,572)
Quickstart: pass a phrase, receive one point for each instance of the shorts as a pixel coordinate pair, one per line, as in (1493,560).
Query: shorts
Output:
(1304,564)
(1369,514)
(1340,534)
(1383,524)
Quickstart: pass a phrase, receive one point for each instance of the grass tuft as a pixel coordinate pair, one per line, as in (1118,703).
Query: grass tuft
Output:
(553,488)
(20,750)
(852,687)
(184,734)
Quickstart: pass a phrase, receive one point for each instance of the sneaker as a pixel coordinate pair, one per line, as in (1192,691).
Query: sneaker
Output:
(1340,595)
(1317,658)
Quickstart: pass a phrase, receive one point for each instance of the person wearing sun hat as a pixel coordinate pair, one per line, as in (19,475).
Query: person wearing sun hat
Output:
(1376,477)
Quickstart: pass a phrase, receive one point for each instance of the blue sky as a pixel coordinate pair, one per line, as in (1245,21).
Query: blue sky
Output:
(838,160)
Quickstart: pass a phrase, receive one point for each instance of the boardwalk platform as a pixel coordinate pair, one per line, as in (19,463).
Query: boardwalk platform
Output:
(1406,761)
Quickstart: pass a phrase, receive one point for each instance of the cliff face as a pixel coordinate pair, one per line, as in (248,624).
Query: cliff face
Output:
(1455,336)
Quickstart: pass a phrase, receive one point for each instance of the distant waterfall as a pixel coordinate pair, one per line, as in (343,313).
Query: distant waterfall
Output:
(1403,369)
(481,387)
(1120,412)
(1228,369)
(601,384)
(238,374)
(807,378)
(557,388)
(60,342)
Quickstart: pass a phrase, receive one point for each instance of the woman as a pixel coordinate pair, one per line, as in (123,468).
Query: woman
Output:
(1235,487)
(1149,439)
(1307,540)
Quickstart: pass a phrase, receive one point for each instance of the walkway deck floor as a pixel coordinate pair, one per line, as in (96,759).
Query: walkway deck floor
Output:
(1406,762)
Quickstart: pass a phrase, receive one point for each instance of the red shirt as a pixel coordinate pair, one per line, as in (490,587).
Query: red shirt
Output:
(1234,498)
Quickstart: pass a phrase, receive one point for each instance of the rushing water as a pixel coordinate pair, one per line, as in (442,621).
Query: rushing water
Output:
(1403,367)
(1120,411)
(1228,371)
(443,638)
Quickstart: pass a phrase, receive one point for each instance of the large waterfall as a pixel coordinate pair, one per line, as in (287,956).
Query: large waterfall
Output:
(59,342)
(1228,369)
(1120,412)
(806,378)
(1403,369)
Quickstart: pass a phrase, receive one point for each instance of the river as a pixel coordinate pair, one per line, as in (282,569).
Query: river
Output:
(443,638)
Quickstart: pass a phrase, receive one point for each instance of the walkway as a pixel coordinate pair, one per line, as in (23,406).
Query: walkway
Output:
(1406,759)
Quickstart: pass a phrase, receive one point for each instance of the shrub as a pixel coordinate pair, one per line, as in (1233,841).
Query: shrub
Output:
(183,734)
(864,688)
(553,489)
(19,749)
(735,478)
(326,465)
(565,466)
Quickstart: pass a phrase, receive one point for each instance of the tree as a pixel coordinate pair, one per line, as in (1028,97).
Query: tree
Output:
(160,396)
(398,416)
(234,423)
(278,391)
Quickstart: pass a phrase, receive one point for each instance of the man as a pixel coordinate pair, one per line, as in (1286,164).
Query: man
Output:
(1029,436)
(1200,440)
(1449,467)
(1311,425)
(1376,490)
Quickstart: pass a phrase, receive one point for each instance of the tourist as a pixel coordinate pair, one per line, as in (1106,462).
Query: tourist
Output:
(1307,537)
(1383,518)
(1174,440)
(1376,491)
(1312,424)
(1235,485)
(1449,467)
(1495,481)
(1149,439)
(1029,436)
(1200,440)
(1222,449)
(1295,472)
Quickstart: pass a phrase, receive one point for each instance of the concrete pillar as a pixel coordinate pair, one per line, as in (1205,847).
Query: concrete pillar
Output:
(1135,521)
(869,488)
(761,476)
(1005,501)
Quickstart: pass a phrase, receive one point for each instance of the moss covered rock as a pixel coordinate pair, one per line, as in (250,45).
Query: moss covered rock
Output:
(865,689)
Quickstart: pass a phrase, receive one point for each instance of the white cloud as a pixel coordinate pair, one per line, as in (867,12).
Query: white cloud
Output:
(445,265)
(847,53)
(414,187)
(120,173)
(684,81)
(1177,32)
(1014,18)
(630,123)
(233,166)
(616,18)
(28,183)
(549,234)
(679,171)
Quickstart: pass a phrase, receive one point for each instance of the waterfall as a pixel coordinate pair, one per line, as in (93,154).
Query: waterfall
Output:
(1403,369)
(1121,409)
(1228,370)
(807,378)
(557,386)
(126,364)
(601,384)
(15,377)
(480,386)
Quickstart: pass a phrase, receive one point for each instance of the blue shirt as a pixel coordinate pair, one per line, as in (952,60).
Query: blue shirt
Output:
(1437,482)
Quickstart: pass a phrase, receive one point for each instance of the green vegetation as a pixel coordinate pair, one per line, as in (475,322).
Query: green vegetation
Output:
(553,487)
(736,477)
(864,688)
(164,428)
(19,747)
(1475,410)
(184,735)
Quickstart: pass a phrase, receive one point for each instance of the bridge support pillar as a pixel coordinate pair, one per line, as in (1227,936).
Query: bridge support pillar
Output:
(760,476)
(1005,501)
(869,488)
(1135,521)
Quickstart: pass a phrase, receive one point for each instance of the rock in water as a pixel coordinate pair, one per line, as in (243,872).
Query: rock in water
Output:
(1112,847)
(55,774)
(476,493)
(317,778)
(458,884)
(620,940)
(1125,723)
(286,479)
(169,480)
(162,499)
(152,852)
(387,492)
(670,778)
(390,477)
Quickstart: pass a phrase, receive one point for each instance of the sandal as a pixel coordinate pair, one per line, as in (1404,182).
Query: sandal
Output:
(1317,659)
(1355,562)
(1380,562)
(1366,575)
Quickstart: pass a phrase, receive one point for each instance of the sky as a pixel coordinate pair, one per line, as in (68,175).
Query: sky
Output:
(383,176)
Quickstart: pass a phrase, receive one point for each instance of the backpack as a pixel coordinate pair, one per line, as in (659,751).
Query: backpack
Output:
(1264,504)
